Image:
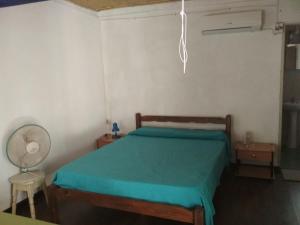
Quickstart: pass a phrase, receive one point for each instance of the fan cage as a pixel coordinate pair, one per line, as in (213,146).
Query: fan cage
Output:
(25,169)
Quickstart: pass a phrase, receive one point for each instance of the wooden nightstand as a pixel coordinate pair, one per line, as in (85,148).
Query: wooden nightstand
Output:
(107,139)
(255,152)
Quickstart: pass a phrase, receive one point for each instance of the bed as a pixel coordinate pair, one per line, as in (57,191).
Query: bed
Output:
(164,172)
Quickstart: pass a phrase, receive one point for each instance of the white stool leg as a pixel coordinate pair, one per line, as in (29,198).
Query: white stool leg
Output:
(44,186)
(31,202)
(14,198)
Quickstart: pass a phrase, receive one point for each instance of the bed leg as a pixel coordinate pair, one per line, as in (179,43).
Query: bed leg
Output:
(198,216)
(53,203)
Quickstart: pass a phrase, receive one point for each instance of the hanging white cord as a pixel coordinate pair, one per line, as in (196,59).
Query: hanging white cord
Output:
(182,43)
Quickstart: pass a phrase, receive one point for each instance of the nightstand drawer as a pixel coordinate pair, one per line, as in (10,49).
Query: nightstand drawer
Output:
(255,155)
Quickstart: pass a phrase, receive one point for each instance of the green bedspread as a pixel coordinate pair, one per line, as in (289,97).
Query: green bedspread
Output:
(174,166)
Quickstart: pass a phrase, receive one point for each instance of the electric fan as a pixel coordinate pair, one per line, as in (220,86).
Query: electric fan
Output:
(28,146)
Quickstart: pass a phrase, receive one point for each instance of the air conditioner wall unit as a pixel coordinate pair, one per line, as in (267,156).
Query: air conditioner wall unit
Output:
(232,22)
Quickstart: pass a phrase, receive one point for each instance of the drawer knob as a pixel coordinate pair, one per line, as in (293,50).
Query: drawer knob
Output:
(253,156)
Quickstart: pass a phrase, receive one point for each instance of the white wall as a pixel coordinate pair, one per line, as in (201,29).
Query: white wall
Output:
(51,74)
(289,11)
(236,73)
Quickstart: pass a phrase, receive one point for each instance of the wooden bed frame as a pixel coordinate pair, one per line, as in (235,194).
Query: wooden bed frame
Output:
(194,216)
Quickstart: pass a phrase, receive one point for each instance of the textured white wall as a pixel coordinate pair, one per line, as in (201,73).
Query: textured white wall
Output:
(289,11)
(51,74)
(237,73)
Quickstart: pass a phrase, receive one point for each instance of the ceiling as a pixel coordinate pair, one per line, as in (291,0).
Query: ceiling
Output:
(99,5)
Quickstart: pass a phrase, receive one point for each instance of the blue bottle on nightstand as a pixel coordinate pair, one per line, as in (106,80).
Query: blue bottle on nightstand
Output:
(115,129)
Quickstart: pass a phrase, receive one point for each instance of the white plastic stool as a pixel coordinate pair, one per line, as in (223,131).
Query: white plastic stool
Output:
(27,182)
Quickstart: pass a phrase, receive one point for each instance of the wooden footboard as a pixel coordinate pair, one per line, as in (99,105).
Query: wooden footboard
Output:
(57,194)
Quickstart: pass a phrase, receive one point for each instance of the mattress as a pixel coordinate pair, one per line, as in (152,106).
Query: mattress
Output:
(172,166)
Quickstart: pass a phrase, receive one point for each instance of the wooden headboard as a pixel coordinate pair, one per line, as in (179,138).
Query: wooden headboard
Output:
(186,119)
